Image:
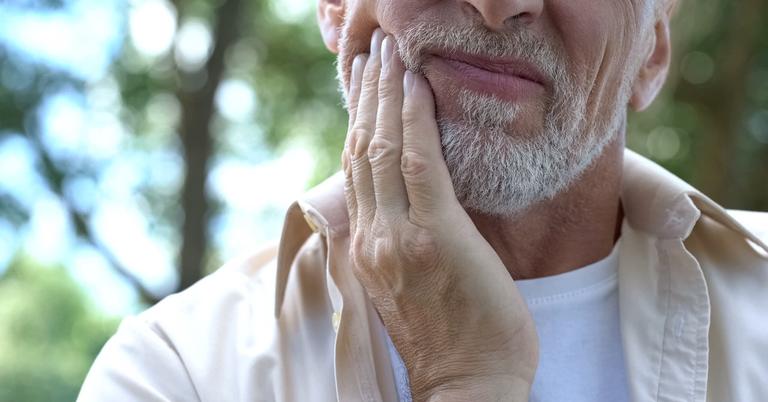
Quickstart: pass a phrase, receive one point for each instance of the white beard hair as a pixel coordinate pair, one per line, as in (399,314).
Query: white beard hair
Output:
(495,172)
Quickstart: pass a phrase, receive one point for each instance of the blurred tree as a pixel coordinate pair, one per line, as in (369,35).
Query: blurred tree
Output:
(197,111)
(49,335)
(248,43)
(240,33)
(709,126)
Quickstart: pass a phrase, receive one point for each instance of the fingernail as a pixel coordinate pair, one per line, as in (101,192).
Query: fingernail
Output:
(386,51)
(376,42)
(408,81)
(357,68)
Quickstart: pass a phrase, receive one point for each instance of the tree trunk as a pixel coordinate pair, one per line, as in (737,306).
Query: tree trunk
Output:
(197,110)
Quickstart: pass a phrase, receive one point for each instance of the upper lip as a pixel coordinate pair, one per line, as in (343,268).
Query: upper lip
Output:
(507,66)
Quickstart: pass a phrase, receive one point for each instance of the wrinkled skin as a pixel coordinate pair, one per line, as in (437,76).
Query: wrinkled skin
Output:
(425,266)
(440,278)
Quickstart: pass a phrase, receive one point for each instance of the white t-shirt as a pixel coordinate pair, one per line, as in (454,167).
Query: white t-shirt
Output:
(577,320)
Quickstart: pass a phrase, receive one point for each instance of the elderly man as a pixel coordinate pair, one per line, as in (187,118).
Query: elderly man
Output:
(489,238)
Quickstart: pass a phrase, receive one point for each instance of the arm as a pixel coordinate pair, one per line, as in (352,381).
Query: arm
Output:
(445,297)
(136,364)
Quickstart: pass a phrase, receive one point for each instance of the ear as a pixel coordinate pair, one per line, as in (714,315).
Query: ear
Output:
(330,16)
(653,71)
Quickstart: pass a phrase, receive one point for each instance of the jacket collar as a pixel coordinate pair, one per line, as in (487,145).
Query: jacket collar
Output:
(654,200)
(321,210)
(658,202)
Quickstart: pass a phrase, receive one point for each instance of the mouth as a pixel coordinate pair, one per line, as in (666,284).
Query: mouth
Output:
(509,79)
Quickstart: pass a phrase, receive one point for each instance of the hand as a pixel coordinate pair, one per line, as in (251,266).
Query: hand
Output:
(446,299)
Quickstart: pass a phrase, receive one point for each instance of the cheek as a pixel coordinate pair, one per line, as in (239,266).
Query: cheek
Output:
(364,16)
(359,23)
(396,15)
(357,29)
(598,39)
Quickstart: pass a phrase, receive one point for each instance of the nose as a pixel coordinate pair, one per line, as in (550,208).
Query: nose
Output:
(500,14)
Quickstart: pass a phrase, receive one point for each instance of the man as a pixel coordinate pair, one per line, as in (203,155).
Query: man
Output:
(489,238)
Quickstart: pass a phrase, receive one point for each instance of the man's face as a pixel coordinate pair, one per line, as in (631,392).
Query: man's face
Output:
(528,92)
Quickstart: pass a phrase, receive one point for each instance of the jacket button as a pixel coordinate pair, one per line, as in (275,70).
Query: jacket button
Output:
(335,320)
(311,223)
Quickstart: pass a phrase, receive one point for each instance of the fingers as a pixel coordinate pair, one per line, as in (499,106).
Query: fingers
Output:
(349,191)
(361,133)
(426,176)
(393,157)
(358,65)
(385,149)
(354,95)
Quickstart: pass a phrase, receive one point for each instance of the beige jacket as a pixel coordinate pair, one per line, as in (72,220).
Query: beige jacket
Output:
(693,285)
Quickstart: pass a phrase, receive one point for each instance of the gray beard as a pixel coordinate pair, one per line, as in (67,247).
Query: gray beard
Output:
(496,171)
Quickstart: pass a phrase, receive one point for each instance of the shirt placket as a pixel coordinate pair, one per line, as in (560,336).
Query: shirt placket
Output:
(664,307)
(354,363)
(684,365)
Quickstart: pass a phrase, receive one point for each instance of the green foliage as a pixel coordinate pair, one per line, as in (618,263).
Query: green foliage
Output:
(49,334)
(710,123)
(295,81)
(709,126)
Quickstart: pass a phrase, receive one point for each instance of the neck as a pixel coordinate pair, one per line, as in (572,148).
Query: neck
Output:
(574,229)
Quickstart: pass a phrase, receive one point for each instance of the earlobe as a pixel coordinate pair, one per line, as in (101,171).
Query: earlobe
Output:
(330,16)
(653,72)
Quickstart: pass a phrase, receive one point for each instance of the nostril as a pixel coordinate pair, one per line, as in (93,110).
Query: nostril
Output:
(523,18)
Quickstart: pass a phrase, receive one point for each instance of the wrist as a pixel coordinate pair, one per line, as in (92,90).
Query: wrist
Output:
(506,390)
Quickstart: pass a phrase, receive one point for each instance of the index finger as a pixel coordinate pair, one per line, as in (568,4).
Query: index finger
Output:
(354,94)
(355,87)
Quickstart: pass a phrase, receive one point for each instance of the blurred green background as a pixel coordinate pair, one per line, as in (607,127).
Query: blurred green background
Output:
(103,101)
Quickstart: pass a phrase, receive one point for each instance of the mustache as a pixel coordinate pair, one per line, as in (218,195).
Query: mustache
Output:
(415,42)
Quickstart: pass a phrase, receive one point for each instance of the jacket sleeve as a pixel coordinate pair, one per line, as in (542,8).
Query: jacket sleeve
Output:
(137,364)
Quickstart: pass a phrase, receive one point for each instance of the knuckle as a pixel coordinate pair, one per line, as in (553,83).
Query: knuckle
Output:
(375,249)
(357,251)
(349,198)
(381,148)
(360,131)
(347,168)
(419,246)
(383,251)
(362,136)
(413,164)
(380,228)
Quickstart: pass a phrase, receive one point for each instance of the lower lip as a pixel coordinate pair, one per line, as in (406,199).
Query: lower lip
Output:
(504,86)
